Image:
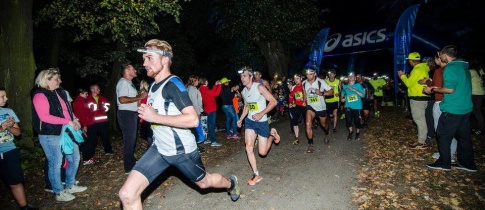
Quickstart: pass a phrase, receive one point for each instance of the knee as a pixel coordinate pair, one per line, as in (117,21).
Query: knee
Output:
(126,197)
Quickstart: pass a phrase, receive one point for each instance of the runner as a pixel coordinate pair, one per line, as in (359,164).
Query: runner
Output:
(255,97)
(172,114)
(315,91)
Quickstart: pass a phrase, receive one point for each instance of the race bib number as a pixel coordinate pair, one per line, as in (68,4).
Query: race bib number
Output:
(314,99)
(253,107)
(298,95)
(352,98)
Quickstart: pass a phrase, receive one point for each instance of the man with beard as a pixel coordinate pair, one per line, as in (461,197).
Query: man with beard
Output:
(171,113)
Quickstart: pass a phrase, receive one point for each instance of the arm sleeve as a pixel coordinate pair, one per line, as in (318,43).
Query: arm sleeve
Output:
(41,106)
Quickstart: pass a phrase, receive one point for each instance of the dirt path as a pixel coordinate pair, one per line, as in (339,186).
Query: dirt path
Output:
(292,178)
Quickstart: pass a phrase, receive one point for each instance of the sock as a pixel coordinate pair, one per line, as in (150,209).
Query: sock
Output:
(310,141)
(256,173)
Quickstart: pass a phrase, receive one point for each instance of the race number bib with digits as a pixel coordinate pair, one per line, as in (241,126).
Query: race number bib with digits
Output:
(352,98)
(298,95)
(314,99)
(253,107)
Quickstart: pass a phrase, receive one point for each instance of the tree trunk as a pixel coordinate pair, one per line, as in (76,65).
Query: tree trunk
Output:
(17,64)
(276,57)
(111,87)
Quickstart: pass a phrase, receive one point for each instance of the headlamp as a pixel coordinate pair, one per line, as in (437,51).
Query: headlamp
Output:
(157,51)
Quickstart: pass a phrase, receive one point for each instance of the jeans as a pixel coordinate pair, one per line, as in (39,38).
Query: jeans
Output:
(436,117)
(128,122)
(52,149)
(418,112)
(211,126)
(231,119)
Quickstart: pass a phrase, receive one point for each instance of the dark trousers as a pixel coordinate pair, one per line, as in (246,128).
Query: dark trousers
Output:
(477,111)
(457,126)
(429,118)
(128,122)
(89,145)
(353,117)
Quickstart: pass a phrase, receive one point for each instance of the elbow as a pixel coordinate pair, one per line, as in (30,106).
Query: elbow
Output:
(194,122)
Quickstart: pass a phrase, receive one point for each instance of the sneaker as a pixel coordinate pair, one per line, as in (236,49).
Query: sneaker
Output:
(235,192)
(207,141)
(418,146)
(296,142)
(438,167)
(460,167)
(254,180)
(228,137)
(342,117)
(201,149)
(349,137)
(28,207)
(274,133)
(334,130)
(357,136)
(65,196)
(436,155)
(326,140)
(76,189)
(49,190)
(235,136)
(90,161)
(310,148)
(216,144)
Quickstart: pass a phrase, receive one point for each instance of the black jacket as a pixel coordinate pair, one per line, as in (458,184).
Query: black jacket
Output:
(54,109)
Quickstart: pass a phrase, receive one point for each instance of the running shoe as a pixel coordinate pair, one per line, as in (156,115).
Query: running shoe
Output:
(274,133)
(357,136)
(296,141)
(235,191)
(418,146)
(255,179)
(310,148)
(460,167)
(349,137)
(90,161)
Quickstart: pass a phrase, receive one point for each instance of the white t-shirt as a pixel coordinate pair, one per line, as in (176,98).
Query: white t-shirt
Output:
(317,102)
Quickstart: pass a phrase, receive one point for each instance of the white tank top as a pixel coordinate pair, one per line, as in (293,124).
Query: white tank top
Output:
(170,140)
(255,101)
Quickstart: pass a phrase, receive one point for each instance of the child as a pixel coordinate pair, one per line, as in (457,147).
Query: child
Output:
(10,169)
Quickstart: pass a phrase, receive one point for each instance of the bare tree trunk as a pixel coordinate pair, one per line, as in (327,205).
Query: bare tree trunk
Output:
(17,64)
(111,87)
(276,56)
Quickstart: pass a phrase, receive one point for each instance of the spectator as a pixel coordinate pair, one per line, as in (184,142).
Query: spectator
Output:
(10,168)
(51,112)
(196,99)
(128,99)
(227,94)
(478,92)
(146,130)
(418,100)
(456,106)
(99,106)
(210,108)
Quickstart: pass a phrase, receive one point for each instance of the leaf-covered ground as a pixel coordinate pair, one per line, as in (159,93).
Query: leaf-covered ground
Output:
(396,177)
(391,175)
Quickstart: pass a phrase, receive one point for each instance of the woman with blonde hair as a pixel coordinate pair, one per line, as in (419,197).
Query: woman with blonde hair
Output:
(52,111)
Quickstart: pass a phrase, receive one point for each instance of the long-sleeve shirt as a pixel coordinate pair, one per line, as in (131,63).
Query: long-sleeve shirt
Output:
(80,109)
(209,97)
(196,98)
(420,71)
(41,105)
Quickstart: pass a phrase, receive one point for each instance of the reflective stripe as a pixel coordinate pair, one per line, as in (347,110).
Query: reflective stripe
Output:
(101,118)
